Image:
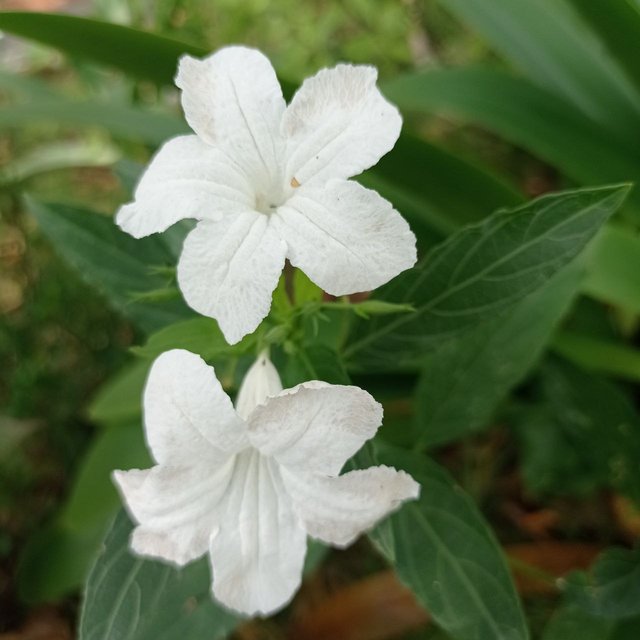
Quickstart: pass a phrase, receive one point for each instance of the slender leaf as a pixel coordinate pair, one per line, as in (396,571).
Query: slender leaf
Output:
(465,379)
(524,114)
(119,120)
(617,22)
(602,356)
(445,552)
(119,400)
(129,598)
(481,271)
(550,43)
(613,270)
(120,266)
(55,157)
(135,52)
(611,588)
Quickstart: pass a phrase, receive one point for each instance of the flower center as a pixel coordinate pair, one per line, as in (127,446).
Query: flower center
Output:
(267,203)
(269,200)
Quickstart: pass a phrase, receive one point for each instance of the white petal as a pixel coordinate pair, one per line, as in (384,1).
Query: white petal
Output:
(229,269)
(315,426)
(188,417)
(338,124)
(260,382)
(186,179)
(233,101)
(258,552)
(175,508)
(338,510)
(344,237)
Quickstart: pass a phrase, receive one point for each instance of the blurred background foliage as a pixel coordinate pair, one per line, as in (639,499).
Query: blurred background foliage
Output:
(502,102)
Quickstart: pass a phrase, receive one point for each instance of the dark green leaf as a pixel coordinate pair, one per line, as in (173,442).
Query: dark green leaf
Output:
(137,53)
(570,623)
(445,552)
(423,182)
(315,362)
(465,379)
(133,599)
(611,588)
(481,271)
(120,266)
(584,434)
(523,114)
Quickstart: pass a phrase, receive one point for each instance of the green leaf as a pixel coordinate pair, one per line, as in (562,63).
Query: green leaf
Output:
(562,55)
(524,114)
(129,598)
(445,552)
(601,356)
(582,435)
(613,271)
(611,587)
(119,120)
(617,22)
(464,380)
(120,266)
(479,272)
(137,53)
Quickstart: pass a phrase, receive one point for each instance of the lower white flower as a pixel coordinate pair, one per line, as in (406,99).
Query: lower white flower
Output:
(249,484)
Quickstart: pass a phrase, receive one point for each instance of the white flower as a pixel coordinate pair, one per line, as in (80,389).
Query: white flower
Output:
(248,485)
(268,181)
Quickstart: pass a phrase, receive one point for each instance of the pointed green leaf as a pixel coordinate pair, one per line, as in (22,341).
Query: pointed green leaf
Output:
(129,598)
(445,552)
(611,588)
(465,379)
(119,265)
(480,271)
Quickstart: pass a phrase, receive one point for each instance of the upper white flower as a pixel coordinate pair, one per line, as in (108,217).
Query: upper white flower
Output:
(249,484)
(268,181)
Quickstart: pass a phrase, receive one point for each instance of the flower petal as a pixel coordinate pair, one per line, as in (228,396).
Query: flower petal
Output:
(344,237)
(229,269)
(338,510)
(315,426)
(258,552)
(188,417)
(186,179)
(338,124)
(175,508)
(233,101)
